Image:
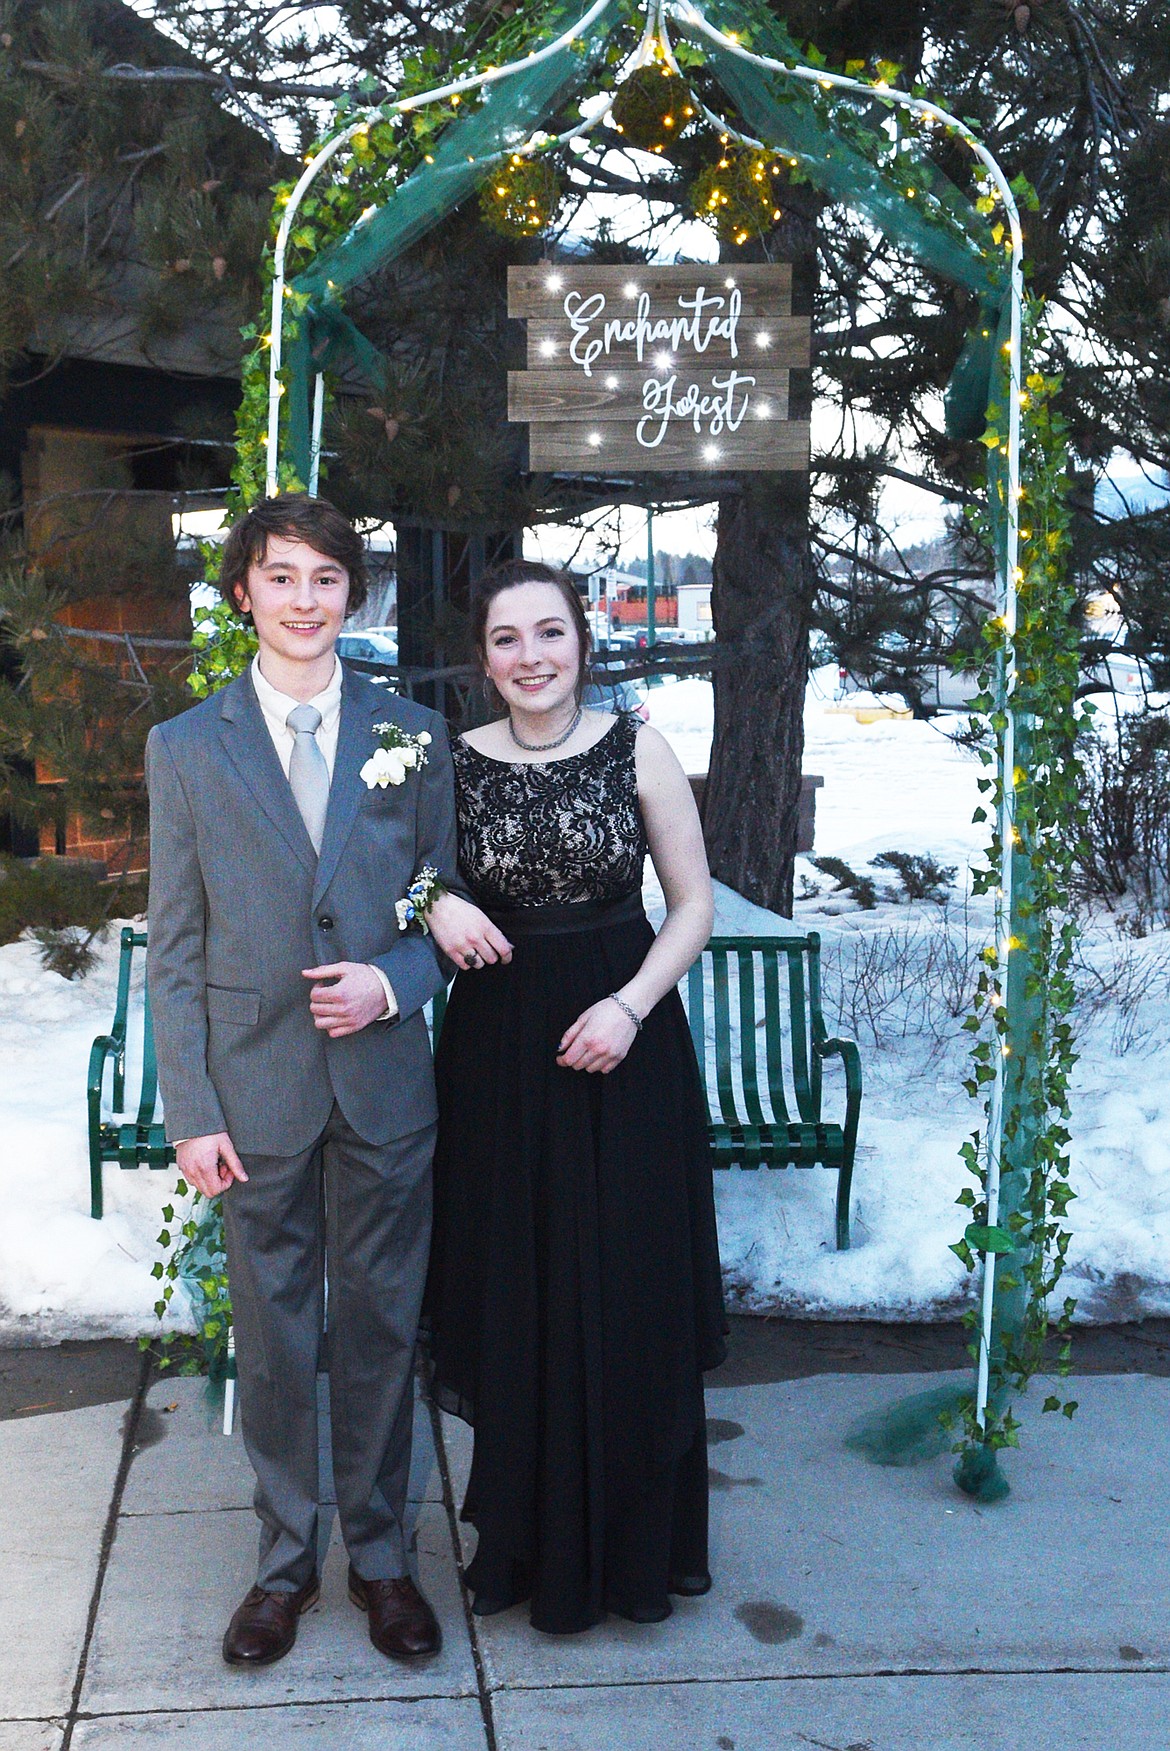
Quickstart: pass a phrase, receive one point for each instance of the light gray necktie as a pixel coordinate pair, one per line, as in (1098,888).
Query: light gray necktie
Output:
(307,772)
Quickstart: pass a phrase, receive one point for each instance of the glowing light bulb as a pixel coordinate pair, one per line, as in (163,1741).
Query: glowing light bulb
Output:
(763,339)
(595,440)
(611,382)
(711,452)
(663,362)
(763,411)
(729,283)
(554,282)
(548,348)
(630,289)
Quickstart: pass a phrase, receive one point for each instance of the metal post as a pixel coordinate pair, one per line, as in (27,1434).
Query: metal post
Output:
(315,440)
(650,577)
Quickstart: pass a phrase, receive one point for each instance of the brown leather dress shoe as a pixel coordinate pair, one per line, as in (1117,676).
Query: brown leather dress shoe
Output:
(402,1624)
(264,1626)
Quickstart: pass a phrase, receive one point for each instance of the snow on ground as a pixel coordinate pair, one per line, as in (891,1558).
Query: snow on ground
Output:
(904,785)
(894,980)
(61,1273)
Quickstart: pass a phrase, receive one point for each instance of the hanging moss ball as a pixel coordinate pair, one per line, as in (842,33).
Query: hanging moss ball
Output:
(520,197)
(653,108)
(741,193)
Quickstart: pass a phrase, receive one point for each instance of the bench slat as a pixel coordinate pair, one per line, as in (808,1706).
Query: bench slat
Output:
(723,1083)
(805,1105)
(747,1036)
(774,1039)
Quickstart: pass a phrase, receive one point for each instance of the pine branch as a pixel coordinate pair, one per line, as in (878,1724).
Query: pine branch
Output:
(233,84)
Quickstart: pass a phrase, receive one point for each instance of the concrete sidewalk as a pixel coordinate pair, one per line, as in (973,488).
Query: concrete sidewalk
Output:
(855,1608)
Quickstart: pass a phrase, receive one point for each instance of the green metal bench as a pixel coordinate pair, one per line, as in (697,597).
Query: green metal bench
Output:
(765,1105)
(749,1121)
(136,1140)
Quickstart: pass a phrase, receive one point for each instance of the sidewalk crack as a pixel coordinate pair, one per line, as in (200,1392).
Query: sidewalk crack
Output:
(130,1424)
(484,1689)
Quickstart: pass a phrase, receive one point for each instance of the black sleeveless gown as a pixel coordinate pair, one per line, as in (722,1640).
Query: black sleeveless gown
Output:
(574,1296)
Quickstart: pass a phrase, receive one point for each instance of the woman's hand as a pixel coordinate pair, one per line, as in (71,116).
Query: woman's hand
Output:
(597,1040)
(466,935)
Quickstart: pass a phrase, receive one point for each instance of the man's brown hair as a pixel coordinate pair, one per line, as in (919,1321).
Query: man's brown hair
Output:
(296,517)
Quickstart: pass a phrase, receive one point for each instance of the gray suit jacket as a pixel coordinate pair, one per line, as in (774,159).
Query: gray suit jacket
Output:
(240,903)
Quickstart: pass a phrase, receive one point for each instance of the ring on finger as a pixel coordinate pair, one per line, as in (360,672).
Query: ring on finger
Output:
(471,958)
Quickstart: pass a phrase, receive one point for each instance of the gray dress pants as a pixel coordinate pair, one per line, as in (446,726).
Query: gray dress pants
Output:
(360,1212)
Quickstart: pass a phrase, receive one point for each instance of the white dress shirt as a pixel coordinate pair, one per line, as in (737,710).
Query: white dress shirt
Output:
(276,707)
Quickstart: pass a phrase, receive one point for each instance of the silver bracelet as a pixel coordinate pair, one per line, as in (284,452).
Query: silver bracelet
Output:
(626,1010)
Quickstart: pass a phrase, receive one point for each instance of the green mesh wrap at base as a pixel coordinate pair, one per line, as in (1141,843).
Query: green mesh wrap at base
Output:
(909,1431)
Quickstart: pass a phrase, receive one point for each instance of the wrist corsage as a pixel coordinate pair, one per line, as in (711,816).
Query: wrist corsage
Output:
(397,753)
(420,896)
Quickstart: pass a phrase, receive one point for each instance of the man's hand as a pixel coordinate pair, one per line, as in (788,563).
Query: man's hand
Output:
(347,997)
(210,1164)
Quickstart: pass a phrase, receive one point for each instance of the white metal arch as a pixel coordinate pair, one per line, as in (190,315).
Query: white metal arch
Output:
(688,14)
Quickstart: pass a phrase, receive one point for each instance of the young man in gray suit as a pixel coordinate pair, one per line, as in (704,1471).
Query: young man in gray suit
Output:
(293,1055)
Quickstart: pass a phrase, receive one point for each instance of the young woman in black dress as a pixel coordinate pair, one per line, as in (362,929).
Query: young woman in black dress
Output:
(574,1296)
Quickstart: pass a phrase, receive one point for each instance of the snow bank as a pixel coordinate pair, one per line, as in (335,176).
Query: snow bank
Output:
(61,1273)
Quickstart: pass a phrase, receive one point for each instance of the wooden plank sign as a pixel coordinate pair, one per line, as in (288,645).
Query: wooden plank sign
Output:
(658,369)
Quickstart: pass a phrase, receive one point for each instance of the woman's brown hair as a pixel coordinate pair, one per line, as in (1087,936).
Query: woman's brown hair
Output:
(506,576)
(297,517)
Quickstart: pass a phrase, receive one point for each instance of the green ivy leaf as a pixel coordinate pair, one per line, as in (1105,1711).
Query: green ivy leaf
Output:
(989,1239)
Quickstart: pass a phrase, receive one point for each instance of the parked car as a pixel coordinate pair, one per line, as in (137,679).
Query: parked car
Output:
(937,687)
(615,695)
(1118,672)
(373,644)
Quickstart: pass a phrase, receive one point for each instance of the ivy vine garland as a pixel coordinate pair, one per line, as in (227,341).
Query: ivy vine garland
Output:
(1047,827)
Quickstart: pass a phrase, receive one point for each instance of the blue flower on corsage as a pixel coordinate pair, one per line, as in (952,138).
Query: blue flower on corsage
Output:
(420,896)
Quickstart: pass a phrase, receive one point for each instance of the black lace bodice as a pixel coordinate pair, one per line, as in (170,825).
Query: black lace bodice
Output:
(555,831)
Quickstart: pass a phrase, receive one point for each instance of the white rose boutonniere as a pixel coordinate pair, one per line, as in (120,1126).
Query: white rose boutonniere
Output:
(397,753)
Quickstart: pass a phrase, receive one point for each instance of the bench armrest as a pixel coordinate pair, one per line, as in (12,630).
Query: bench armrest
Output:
(98,1053)
(850,1057)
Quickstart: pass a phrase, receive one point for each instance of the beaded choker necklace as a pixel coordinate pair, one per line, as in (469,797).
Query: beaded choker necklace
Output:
(543,747)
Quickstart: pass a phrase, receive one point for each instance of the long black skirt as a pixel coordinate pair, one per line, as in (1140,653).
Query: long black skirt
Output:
(574,1295)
